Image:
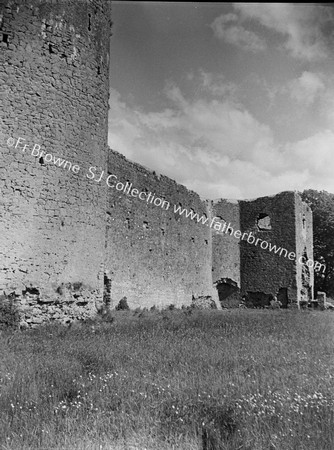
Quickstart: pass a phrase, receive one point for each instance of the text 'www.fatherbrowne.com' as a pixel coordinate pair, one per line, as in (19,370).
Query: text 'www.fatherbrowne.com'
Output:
(224,228)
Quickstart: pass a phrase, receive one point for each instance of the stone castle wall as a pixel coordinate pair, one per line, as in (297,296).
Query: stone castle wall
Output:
(154,256)
(69,238)
(226,248)
(54,78)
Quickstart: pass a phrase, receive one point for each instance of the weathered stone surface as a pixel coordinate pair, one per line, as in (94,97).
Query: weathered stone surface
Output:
(203,302)
(275,273)
(54,63)
(156,256)
(226,248)
(72,242)
(284,221)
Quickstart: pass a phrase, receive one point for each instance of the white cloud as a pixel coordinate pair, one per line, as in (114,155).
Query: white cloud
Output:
(306,88)
(314,155)
(303,26)
(212,84)
(227,28)
(218,148)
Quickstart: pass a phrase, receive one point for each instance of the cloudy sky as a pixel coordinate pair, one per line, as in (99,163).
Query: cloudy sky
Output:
(233,100)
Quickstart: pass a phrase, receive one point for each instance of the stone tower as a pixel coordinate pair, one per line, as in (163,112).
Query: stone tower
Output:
(265,251)
(282,223)
(54,87)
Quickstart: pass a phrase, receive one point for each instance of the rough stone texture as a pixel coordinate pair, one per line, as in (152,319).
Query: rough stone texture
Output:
(264,272)
(72,302)
(203,302)
(54,78)
(69,243)
(156,257)
(304,250)
(226,249)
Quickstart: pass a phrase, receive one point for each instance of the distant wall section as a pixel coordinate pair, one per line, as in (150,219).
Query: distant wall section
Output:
(226,251)
(153,255)
(263,272)
(225,247)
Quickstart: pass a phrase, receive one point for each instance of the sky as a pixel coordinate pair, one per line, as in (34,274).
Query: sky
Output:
(232,100)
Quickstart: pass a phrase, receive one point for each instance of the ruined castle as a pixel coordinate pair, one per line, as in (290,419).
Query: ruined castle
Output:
(70,242)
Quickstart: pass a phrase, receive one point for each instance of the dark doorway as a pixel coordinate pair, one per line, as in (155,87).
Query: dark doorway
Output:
(228,293)
(258,299)
(282,297)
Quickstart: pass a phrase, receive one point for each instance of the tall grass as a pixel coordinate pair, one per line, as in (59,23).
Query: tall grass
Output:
(246,380)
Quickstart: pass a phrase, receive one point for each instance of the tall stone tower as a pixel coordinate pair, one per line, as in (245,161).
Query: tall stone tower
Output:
(264,251)
(54,87)
(279,261)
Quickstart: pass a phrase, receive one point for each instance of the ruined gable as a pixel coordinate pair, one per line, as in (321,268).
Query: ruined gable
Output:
(283,226)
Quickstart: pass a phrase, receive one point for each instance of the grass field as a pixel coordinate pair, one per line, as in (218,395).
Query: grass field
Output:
(179,379)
